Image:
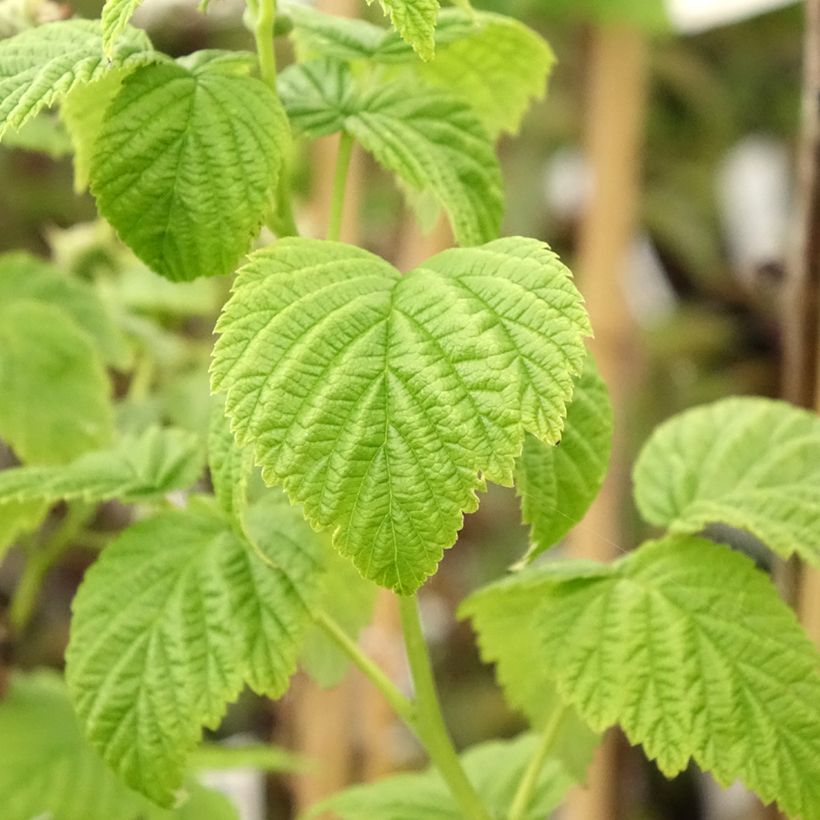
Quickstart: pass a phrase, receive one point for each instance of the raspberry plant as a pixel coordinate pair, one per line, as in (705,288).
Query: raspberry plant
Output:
(377,407)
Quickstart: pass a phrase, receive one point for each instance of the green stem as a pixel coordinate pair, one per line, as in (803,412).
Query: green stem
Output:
(39,561)
(401,705)
(334,228)
(526,788)
(428,721)
(264,12)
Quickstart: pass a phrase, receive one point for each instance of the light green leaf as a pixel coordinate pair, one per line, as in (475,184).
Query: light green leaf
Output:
(186,164)
(557,483)
(39,66)
(176,615)
(504,618)
(688,647)
(44,134)
(343,38)
(751,463)
(135,469)
(17,518)
(381,402)
(349,598)
(230,465)
(429,139)
(415,21)
(55,390)
(494,768)
(499,69)
(82,112)
(23,276)
(50,770)
(115,17)
(263,757)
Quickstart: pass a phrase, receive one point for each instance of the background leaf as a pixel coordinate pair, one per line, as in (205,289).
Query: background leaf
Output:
(751,463)
(557,483)
(186,164)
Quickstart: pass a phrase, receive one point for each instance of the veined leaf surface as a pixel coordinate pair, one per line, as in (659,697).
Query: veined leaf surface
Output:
(752,463)
(381,402)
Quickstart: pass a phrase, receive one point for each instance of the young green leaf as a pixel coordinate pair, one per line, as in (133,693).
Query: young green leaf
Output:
(39,66)
(557,483)
(135,469)
(752,463)
(495,769)
(54,387)
(23,276)
(349,598)
(50,770)
(499,69)
(415,21)
(381,402)
(177,614)
(115,17)
(689,648)
(429,139)
(186,164)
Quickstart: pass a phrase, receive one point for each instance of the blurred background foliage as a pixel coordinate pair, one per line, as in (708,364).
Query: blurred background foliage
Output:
(701,283)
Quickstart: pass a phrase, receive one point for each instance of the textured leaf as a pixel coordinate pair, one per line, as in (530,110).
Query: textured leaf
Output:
(25,277)
(498,69)
(172,620)
(429,139)
(494,768)
(381,402)
(415,21)
(557,483)
(55,390)
(689,648)
(751,463)
(50,770)
(349,598)
(82,112)
(135,469)
(230,465)
(186,163)
(39,66)
(344,38)
(115,17)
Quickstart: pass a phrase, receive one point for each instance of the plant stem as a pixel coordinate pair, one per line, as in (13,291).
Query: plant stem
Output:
(40,561)
(265,13)
(334,228)
(400,704)
(526,788)
(428,721)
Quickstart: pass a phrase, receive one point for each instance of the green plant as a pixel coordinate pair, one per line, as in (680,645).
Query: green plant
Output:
(380,404)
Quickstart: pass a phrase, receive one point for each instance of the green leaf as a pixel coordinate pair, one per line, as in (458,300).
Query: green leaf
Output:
(650,15)
(381,402)
(557,483)
(177,614)
(83,111)
(50,770)
(349,598)
(115,17)
(186,164)
(504,618)
(39,66)
(494,768)
(135,469)
(751,463)
(54,386)
(230,465)
(17,518)
(263,757)
(23,276)
(44,134)
(429,139)
(689,648)
(415,21)
(499,69)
